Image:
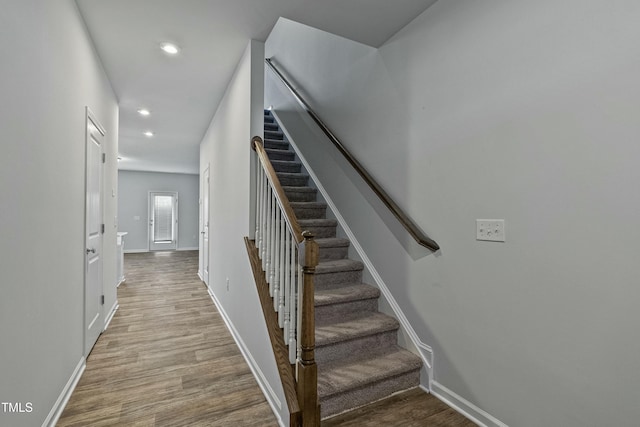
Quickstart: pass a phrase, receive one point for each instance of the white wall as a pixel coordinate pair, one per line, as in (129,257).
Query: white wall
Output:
(133,201)
(226,150)
(525,111)
(49,72)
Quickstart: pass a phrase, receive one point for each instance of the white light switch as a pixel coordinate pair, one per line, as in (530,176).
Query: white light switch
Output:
(491,230)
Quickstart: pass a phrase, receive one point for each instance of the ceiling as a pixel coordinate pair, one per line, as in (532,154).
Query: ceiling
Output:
(183,91)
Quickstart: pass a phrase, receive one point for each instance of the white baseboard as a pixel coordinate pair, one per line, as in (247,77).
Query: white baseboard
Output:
(200,276)
(424,350)
(112,313)
(274,402)
(65,395)
(189,249)
(135,251)
(466,408)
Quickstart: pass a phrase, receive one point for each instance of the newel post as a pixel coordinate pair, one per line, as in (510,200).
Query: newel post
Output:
(307,368)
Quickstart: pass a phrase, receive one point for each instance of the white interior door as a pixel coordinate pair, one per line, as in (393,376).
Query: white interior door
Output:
(163,221)
(93,234)
(205,227)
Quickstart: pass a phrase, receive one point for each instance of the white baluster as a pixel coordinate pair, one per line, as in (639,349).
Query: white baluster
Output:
(267,245)
(276,258)
(287,285)
(272,242)
(265,221)
(258,190)
(283,292)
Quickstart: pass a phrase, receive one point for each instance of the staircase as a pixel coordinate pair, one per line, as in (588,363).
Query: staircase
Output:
(357,354)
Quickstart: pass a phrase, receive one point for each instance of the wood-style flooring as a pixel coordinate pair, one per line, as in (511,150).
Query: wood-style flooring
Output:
(167,359)
(413,408)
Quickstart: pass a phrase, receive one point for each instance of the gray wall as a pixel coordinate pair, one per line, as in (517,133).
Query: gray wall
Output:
(49,72)
(226,150)
(133,201)
(525,111)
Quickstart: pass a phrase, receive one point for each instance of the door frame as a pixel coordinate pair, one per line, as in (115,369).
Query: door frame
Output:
(205,211)
(174,242)
(91,117)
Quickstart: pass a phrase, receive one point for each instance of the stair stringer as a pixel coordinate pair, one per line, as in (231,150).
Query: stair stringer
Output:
(407,336)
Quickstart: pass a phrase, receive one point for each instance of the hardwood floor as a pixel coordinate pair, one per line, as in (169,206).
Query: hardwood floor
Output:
(167,359)
(413,408)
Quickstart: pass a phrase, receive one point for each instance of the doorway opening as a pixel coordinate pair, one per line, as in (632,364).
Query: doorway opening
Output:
(163,221)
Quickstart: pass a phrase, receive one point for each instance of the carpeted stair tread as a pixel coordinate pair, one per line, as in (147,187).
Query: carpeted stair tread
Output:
(342,375)
(332,242)
(347,293)
(286,166)
(279,154)
(317,223)
(302,194)
(308,205)
(336,265)
(348,329)
(276,144)
(269,134)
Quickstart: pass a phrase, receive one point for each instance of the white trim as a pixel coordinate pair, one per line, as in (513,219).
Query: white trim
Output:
(274,402)
(466,408)
(189,249)
(65,395)
(135,251)
(424,350)
(112,313)
(200,276)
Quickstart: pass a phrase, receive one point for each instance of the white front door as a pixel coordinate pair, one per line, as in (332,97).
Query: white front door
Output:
(163,221)
(93,292)
(205,227)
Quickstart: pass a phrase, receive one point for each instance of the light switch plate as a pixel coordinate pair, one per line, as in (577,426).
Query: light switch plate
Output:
(491,230)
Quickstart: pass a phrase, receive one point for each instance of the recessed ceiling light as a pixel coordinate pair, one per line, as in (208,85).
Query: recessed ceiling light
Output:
(144,112)
(148,133)
(169,48)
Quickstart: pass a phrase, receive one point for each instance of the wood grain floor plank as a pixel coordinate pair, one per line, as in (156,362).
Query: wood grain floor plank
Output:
(167,358)
(413,408)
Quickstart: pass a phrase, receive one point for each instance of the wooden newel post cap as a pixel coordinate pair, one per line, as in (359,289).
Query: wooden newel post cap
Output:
(254,140)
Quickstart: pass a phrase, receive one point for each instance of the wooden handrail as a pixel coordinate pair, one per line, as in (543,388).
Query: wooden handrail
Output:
(292,220)
(402,217)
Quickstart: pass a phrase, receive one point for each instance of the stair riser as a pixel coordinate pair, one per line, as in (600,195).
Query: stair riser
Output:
(293,181)
(300,196)
(341,402)
(276,145)
(310,213)
(362,345)
(336,311)
(333,280)
(327,254)
(270,126)
(289,167)
(280,155)
(269,134)
(320,232)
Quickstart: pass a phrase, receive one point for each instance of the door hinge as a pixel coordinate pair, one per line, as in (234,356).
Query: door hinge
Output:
(104,157)
(102,300)
(102,228)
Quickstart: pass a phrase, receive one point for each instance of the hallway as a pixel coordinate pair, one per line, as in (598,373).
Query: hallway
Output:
(167,359)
